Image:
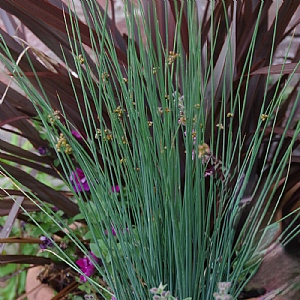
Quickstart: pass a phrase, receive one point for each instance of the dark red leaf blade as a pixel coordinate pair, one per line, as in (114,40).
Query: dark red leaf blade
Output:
(42,191)
(278,69)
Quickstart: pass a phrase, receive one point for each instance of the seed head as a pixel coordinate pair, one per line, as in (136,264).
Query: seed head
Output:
(203,150)
(264,117)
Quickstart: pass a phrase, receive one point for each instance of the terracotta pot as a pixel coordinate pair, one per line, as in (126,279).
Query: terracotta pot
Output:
(36,290)
(278,274)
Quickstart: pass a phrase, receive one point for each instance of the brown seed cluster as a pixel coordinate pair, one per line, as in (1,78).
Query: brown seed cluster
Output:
(264,117)
(62,145)
(106,134)
(105,77)
(154,70)
(124,140)
(172,57)
(81,59)
(54,117)
(119,111)
(203,150)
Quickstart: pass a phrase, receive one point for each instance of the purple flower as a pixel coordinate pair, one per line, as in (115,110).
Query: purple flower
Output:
(77,135)
(23,225)
(42,150)
(86,266)
(209,171)
(193,154)
(113,231)
(46,242)
(79,181)
(113,298)
(193,135)
(115,189)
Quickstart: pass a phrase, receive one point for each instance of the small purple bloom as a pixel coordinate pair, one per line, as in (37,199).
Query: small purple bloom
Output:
(193,154)
(193,135)
(154,290)
(23,224)
(46,242)
(113,298)
(42,150)
(113,231)
(209,171)
(115,189)
(79,181)
(77,135)
(86,266)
